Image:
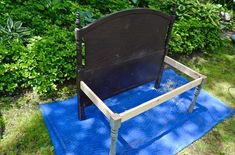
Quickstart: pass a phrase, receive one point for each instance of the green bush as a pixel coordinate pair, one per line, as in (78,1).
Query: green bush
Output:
(197,25)
(13,30)
(192,35)
(48,58)
(230,4)
(107,6)
(45,62)
(10,76)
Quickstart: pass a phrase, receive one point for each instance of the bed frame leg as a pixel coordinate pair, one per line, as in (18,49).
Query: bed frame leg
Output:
(196,93)
(157,84)
(115,123)
(81,112)
(81,106)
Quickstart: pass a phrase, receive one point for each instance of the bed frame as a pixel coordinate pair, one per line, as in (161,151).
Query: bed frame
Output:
(122,51)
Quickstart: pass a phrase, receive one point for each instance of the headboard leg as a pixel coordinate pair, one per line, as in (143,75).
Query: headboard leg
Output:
(158,80)
(157,83)
(81,107)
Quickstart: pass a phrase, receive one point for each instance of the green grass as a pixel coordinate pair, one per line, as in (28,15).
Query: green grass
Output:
(219,67)
(26,133)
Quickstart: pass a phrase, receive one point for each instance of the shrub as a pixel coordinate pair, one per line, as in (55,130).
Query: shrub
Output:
(10,76)
(49,60)
(45,62)
(230,4)
(192,35)
(107,6)
(49,57)
(13,30)
(197,25)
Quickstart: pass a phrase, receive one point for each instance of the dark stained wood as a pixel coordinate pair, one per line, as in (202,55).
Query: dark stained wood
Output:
(123,50)
(158,80)
(79,67)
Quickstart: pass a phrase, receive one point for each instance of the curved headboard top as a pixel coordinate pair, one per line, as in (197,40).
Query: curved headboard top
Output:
(122,13)
(124,36)
(124,49)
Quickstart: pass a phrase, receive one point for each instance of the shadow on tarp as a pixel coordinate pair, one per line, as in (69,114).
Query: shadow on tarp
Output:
(165,129)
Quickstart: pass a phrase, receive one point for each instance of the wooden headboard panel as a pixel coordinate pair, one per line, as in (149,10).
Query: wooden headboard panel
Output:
(123,50)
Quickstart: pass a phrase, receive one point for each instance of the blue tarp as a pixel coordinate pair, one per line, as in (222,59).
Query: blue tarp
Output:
(165,129)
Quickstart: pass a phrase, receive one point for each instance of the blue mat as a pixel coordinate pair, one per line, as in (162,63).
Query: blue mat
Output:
(165,129)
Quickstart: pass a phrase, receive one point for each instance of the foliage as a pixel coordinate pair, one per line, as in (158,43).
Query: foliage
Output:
(107,6)
(40,65)
(13,30)
(44,64)
(197,25)
(10,76)
(48,57)
(230,4)
(86,17)
(140,3)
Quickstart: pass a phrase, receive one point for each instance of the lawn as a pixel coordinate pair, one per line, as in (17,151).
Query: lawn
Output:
(26,133)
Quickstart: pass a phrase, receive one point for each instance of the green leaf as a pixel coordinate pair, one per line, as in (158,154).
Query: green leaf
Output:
(18,24)
(26,33)
(22,29)
(3,30)
(9,24)
(1,27)
(135,1)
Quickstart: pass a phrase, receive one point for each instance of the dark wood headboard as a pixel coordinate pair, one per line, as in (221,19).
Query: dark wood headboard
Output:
(122,50)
